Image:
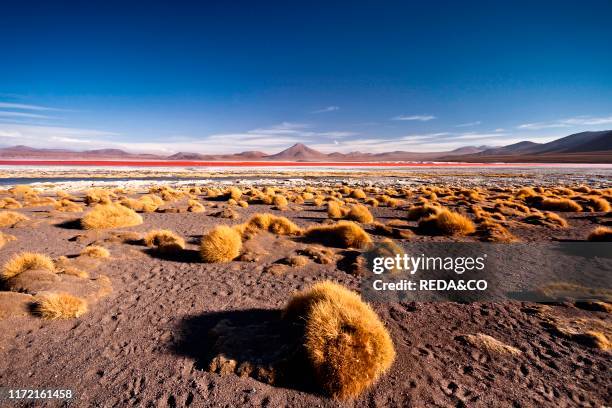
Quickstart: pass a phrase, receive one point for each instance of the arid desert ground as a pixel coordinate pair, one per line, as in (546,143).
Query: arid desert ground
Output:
(179,292)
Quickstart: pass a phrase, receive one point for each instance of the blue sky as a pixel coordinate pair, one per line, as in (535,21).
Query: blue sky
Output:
(371,76)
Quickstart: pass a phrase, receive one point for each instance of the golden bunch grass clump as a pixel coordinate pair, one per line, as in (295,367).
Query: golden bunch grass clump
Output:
(26,261)
(95,251)
(318,201)
(22,190)
(490,231)
(96,195)
(280,202)
(65,205)
(601,234)
(10,218)
(222,244)
(104,216)
(560,204)
(235,193)
(243,204)
(597,204)
(546,218)
(360,213)
(358,194)
(164,241)
(343,234)
(10,203)
(446,222)
(195,206)
(371,202)
(36,201)
(271,223)
(60,306)
(417,212)
(334,210)
(347,345)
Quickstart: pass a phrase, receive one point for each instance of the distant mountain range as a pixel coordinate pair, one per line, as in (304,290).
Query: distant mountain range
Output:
(585,147)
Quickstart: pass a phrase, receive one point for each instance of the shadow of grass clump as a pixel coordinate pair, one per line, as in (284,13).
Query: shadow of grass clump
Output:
(255,343)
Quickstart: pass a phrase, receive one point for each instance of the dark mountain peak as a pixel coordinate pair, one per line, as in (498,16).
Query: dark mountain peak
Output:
(298,151)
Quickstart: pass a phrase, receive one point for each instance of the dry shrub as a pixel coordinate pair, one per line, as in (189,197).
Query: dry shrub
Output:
(65,205)
(243,204)
(318,201)
(271,223)
(446,222)
(95,251)
(36,201)
(597,204)
(110,216)
(489,343)
(347,345)
(491,231)
(10,203)
(26,261)
(296,260)
(601,234)
(344,234)
(358,194)
(66,266)
(22,190)
(164,241)
(235,193)
(222,244)
(582,189)
(559,204)
(371,202)
(360,213)
(307,195)
(60,306)
(417,212)
(10,218)
(5,238)
(333,210)
(280,202)
(525,192)
(546,218)
(96,195)
(195,206)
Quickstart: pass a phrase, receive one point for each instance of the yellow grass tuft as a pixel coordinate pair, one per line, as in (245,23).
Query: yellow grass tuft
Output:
(10,203)
(490,231)
(358,193)
(222,244)
(601,234)
(597,204)
(60,306)
(333,209)
(195,206)
(280,202)
(26,261)
(417,212)
(21,190)
(560,204)
(360,213)
(164,240)
(235,193)
(10,218)
(95,251)
(110,216)
(344,234)
(446,222)
(271,223)
(347,345)
(65,205)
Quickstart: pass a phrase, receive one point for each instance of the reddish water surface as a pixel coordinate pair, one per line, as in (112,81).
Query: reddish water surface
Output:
(179,163)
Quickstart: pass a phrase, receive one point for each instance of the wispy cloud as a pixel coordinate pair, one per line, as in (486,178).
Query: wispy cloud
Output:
(421,118)
(22,106)
(469,124)
(326,109)
(28,115)
(568,122)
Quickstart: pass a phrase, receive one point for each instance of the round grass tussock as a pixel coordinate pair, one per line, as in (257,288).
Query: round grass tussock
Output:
(347,345)
(105,216)
(26,261)
(222,244)
(446,222)
(95,251)
(360,213)
(343,234)
(164,241)
(10,218)
(60,306)
(601,234)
